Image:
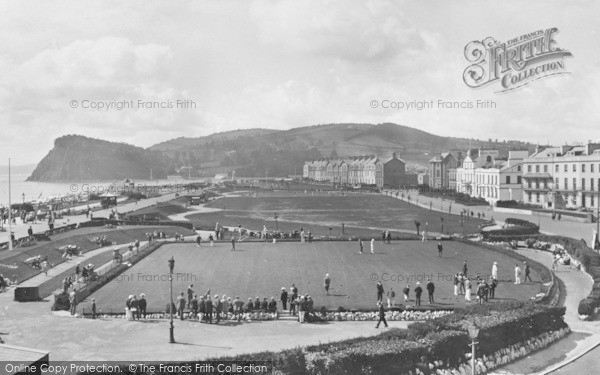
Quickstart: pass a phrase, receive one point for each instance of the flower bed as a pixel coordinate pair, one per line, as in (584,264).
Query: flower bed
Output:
(514,228)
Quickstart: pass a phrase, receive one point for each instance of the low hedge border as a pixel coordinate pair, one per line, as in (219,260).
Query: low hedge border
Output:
(509,330)
(517,227)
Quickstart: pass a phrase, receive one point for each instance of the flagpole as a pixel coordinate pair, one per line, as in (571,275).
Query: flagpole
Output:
(10,243)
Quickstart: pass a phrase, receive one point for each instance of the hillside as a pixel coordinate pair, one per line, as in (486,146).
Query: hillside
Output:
(76,157)
(250,152)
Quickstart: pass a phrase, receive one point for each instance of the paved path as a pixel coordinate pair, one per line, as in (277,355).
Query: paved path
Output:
(578,285)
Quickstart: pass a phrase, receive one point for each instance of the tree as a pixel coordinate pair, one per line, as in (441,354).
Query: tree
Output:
(418,225)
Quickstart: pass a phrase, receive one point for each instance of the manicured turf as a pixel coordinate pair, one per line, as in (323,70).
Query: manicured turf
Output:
(259,269)
(82,238)
(318,212)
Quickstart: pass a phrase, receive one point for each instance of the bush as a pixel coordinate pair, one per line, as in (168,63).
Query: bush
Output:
(586,307)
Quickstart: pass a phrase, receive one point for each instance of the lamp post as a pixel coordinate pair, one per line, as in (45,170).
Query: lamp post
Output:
(171,328)
(473,333)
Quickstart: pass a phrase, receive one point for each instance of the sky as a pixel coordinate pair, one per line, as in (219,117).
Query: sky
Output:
(279,65)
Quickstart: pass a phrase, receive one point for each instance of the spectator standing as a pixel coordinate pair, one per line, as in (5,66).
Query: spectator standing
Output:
(379,291)
(93,308)
(527,272)
(406,292)
(440,249)
(418,292)
(327,283)
(495,271)
(430,289)
(372,246)
(143,304)
(391,296)
(517,274)
(284,298)
(180,305)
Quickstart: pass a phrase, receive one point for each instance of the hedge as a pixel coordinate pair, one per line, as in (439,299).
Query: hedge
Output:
(443,341)
(517,228)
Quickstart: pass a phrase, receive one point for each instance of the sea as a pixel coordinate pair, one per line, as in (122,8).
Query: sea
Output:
(33,191)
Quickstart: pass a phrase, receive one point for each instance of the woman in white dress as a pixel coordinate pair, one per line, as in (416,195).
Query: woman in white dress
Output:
(495,271)
(467,290)
(128,314)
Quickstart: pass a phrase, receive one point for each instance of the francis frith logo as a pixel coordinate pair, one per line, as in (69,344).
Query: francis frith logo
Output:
(514,63)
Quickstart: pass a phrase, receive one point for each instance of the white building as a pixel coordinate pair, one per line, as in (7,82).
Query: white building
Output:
(563,177)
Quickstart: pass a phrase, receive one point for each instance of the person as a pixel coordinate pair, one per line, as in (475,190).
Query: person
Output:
(301,309)
(135,311)
(180,305)
(30,232)
(391,295)
(211,239)
(264,305)
(218,308)
(249,305)
(137,245)
(465,269)
(467,289)
(406,292)
(302,235)
(495,271)
(517,274)
(379,291)
(493,284)
(418,291)
(293,298)
(294,289)
(284,298)
(142,305)
(461,283)
(486,289)
(383,237)
(456,281)
(381,315)
(480,291)
(190,294)
(217,230)
(77,271)
(430,289)
(194,306)
(272,307)
(93,308)
(527,272)
(237,308)
(559,216)
(372,246)
(440,249)
(128,307)
(555,261)
(360,246)
(199,241)
(232,243)
(327,283)
(208,306)
(201,309)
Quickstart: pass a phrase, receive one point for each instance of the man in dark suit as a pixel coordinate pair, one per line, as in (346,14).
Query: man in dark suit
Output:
(418,292)
(218,308)
(379,291)
(209,308)
(527,272)
(143,304)
(430,290)
(284,298)
(381,315)
(465,269)
(180,305)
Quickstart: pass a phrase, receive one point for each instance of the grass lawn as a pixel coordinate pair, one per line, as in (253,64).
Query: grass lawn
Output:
(259,269)
(320,211)
(81,237)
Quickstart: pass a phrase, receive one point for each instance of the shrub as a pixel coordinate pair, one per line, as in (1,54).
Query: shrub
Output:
(586,307)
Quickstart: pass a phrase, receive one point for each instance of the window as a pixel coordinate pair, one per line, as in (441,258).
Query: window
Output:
(437,173)
(529,197)
(583,168)
(591,199)
(529,184)
(545,169)
(529,168)
(591,183)
(508,179)
(583,183)
(592,169)
(518,179)
(566,170)
(566,184)
(518,168)
(574,184)
(537,169)
(556,184)
(537,197)
(556,168)
(574,167)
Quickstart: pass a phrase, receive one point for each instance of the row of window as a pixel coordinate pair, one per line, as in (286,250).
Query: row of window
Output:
(569,199)
(565,168)
(543,185)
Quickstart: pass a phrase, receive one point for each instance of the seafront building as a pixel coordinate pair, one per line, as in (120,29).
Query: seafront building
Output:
(484,174)
(360,170)
(563,177)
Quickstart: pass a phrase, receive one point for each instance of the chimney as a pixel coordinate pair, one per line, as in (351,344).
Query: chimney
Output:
(394,155)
